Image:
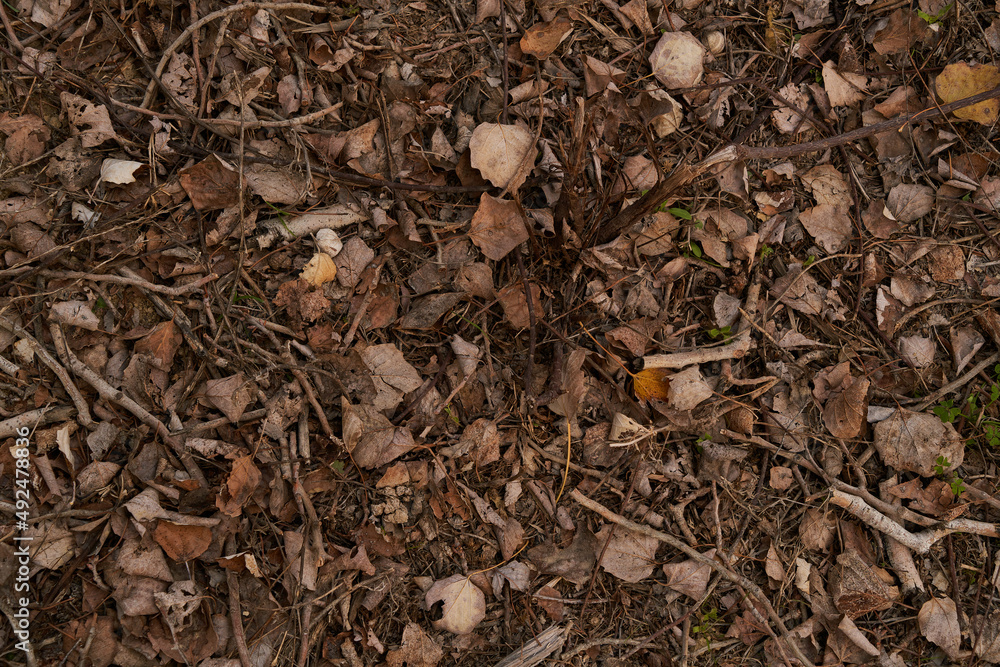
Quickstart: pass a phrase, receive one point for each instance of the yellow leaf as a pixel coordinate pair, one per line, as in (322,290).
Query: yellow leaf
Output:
(958,81)
(652,383)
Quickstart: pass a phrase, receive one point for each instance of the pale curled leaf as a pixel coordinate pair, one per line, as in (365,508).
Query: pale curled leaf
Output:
(938,618)
(464,605)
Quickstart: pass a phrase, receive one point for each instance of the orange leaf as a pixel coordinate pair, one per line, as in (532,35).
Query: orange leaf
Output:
(652,383)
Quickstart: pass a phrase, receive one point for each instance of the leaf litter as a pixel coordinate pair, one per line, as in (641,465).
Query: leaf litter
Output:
(294,326)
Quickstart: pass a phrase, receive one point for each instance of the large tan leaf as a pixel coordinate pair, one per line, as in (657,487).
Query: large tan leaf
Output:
(938,620)
(464,604)
(629,556)
(503,154)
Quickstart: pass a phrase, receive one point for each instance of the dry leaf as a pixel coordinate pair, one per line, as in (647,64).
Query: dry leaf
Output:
(688,389)
(161,344)
(370,437)
(503,154)
(915,440)
(574,563)
(319,270)
(541,39)
(652,383)
(965,342)
(845,413)
(938,620)
(76,314)
(119,172)
(959,80)
(677,60)
(239,488)
(829,225)
(180,542)
(497,227)
(418,650)
(689,577)
(843,88)
(909,203)
(629,556)
(855,587)
(91,123)
(231,395)
(464,604)
(211,184)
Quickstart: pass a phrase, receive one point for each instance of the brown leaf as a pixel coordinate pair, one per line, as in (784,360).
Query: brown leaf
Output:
(960,80)
(843,88)
(914,440)
(182,543)
(503,154)
(464,604)
(370,437)
(231,395)
(91,123)
(392,374)
(903,29)
(689,577)
(845,413)
(211,184)
(829,225)
(629,556)
(497,227)
(909,203)
(239,488)
(161,344)
(574,563)
(550,601)
(855,587)
(418,650)
(541,39)
(515,305)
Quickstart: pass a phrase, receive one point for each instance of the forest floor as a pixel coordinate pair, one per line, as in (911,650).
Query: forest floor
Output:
(569,332)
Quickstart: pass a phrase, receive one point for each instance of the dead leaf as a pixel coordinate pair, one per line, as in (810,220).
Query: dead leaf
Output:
(899,32)
(352,261)
(677,60)
(829,225)
(688,389)
(370,437)
(909,203)
(915,440)
(231,395)
(843,88)
(855,587)
(918,350)
(239,488)
(574,563)
(845,413)
(497,227)
(543,38)
(464,604)
(515,305)
(960,80)
(629,556)
(689,577)
(652,383)
(161,344)
(965,342)
(418,650)
(503,154)
(75,314)
(119,172)
(211,184)
(91,123)
(180,542)
(938,618)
